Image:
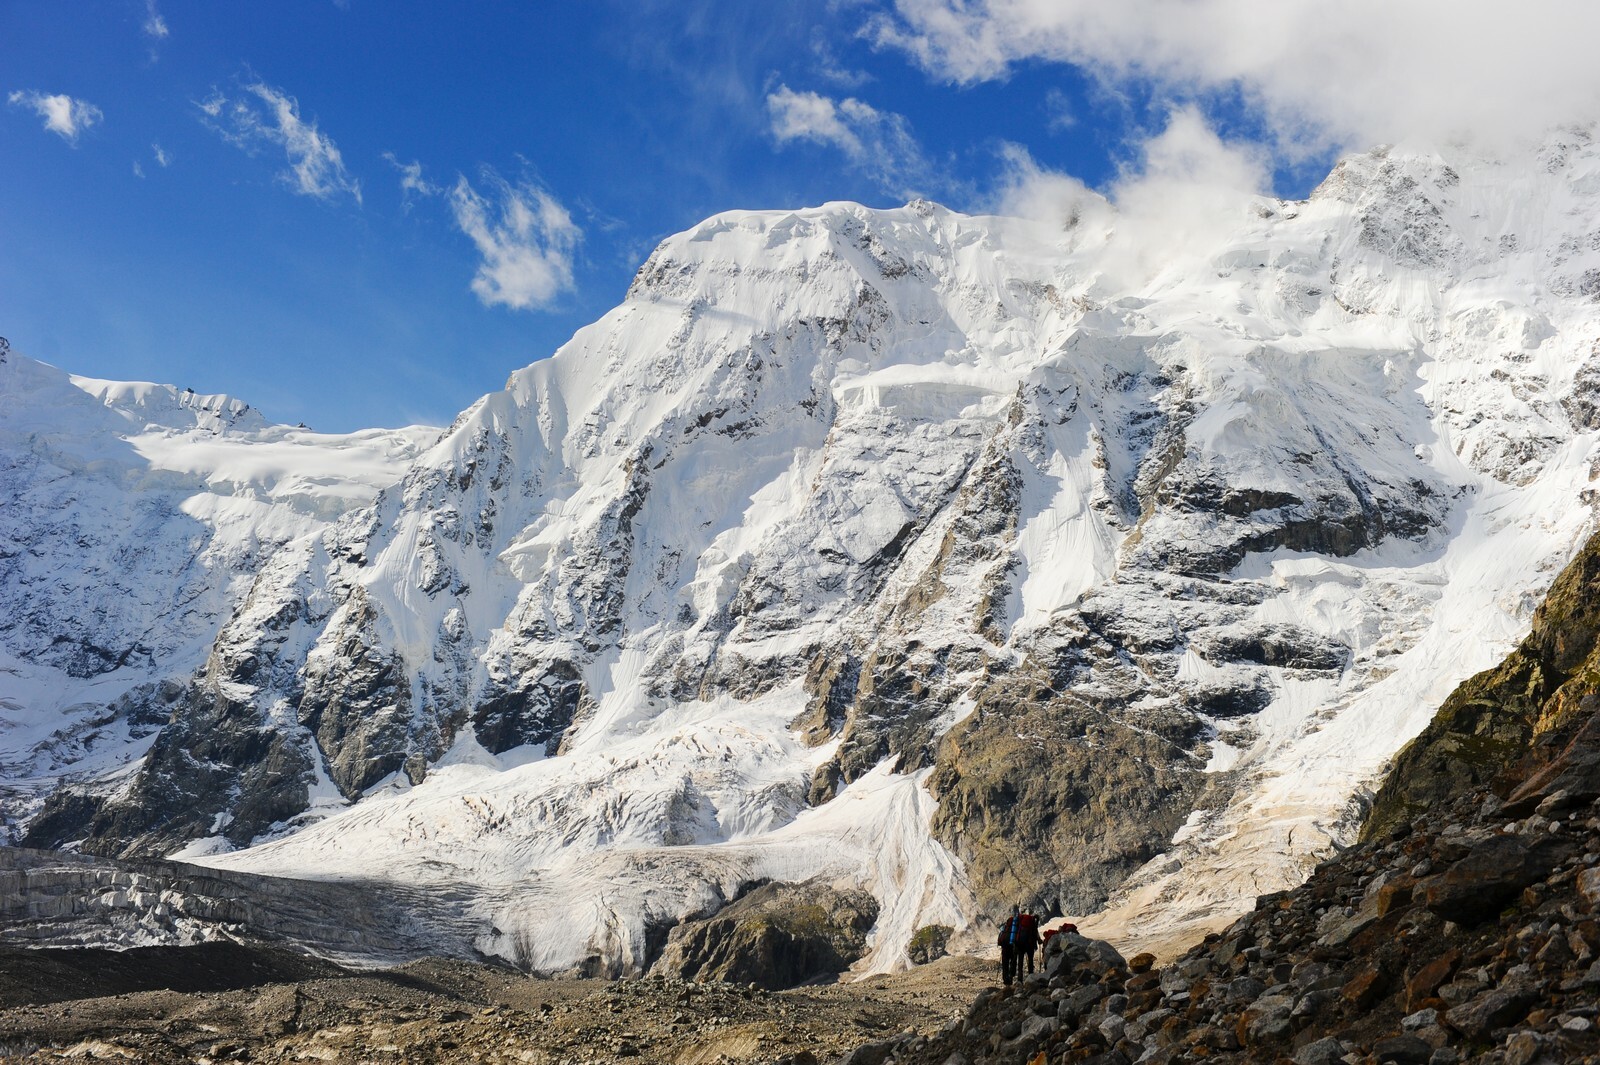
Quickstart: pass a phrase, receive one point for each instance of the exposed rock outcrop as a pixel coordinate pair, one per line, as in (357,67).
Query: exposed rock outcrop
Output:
(1472,933)
(777,936)
(1466,926)
(1488,722)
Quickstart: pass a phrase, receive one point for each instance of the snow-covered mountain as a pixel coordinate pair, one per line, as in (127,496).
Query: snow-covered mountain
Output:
(914,550)
(135,518)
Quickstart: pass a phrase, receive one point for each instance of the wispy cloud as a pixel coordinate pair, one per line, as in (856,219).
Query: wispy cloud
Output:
(411,179)
(159,154)
(828,66)
(266,116)
(878,143)
(1058,111)
(525,236)
(1321,75)
(61,113)
(155,27)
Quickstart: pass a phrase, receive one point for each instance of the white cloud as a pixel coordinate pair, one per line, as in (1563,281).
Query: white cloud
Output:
(1191,192)
(162,158)
(411,179)
(1058,200)
(1322,74)
(879,143)
(138,171)
(155,27)
(273,118)
(61,113)
(828,66)
(1058,111)
(525,237)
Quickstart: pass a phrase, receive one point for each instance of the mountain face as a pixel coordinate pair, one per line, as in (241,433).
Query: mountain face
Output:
(924,554)
(1461,928)
(1488,726)
(137,520)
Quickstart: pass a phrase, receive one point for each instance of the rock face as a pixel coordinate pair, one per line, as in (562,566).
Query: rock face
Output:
(1469,933)
(1472,927)
(940,555)
(777,936)
(1488,722)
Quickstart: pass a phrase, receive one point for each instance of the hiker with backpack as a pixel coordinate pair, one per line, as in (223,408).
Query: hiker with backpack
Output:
(1019,937)
(1031,941)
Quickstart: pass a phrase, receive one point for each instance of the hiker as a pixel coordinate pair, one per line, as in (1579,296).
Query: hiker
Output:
(1030,940)
(1019,936)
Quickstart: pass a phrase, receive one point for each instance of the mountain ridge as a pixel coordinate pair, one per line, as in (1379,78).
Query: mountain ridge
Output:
(841,506)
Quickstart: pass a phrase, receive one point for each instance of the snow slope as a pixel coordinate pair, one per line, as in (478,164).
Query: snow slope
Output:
(908,549)
(134,518)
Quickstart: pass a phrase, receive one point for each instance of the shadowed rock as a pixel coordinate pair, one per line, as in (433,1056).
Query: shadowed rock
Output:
(777,936)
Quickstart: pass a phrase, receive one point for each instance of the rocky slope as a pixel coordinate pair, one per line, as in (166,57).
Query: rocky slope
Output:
(1485,726)
(931,556)
(248,1004)
(1465,926)
(1471,932)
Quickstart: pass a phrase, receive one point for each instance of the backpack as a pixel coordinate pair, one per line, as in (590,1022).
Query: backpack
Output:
(1028,930)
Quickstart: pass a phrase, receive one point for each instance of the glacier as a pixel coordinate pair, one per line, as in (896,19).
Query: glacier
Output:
(929,553)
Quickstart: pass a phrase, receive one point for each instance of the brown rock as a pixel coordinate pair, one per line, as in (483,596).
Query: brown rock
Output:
(1144,980)
(1141,963)
(1363,989)
(1402,1049)
(1395,895)
(1265,1020)
(1555,955)
(1589,886)
(1523,1049)
(1144,1001)
(1342,931)
(1571,780)
(1425,981)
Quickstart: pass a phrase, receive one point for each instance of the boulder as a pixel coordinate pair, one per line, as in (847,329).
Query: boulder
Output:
(929,943)
(1492,874)
(1402,1049)
(1492,1009)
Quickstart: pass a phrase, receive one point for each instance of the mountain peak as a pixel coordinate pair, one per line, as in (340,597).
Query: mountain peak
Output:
(891,547)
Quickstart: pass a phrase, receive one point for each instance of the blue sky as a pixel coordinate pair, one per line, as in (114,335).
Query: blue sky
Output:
(358,213)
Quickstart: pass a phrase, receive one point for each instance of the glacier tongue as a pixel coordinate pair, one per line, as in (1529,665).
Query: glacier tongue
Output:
(908,549)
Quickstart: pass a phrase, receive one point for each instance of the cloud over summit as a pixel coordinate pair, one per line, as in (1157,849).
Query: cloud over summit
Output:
(1345,75)
(878,143)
